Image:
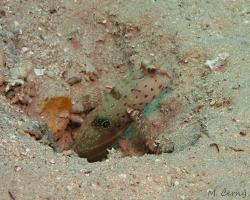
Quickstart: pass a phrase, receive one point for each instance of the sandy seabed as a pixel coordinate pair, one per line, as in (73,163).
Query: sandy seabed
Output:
(205,45)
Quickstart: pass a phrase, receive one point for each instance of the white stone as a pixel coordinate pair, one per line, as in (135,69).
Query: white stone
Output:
(39,72)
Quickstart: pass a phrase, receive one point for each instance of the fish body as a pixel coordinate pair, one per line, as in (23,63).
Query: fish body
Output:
(106,123)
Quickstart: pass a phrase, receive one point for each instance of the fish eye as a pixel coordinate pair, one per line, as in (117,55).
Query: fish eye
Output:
(102,123)
(105,123)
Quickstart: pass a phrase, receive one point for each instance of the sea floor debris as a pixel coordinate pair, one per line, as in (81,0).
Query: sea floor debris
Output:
(204,113)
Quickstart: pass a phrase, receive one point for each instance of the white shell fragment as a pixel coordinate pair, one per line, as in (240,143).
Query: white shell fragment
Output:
(13,83)
(39,72)
(220,60)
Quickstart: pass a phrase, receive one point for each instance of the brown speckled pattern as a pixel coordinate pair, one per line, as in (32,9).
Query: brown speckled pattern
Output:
(106,123)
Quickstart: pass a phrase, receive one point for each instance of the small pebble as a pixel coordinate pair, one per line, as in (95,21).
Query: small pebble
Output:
(2,13)
(52,161)
(24,49)
(74,80)
(39,72)
(243,133)
(93,185)
(15,28)
(17,168)
(87,173)
(69,187)
(176,183)
(123,176)
(52,11)
(26,152)
(68,152)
